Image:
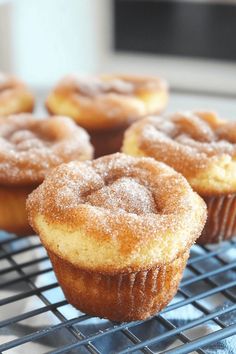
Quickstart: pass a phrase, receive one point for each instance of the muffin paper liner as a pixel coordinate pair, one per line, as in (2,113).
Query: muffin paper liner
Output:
(221,220)
(123,296)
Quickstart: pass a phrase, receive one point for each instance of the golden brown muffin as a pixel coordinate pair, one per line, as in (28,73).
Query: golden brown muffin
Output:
(14,96)
(106,105)
(203,148)
(118,232)
(29,148)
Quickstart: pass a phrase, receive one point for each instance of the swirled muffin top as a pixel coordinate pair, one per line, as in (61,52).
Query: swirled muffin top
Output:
(29,147)
(107,101)
(200,145)
(15,97)
(116,213)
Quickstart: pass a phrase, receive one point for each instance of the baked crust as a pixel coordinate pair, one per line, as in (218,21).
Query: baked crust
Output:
(108,101)
(106,143)
(116,214)
(199,145)
(30,147)
(13,216)
(15,97)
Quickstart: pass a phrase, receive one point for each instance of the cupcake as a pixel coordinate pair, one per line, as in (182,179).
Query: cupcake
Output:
(106,105)
(15,97)
(118,231)
(203,148)
(29,148)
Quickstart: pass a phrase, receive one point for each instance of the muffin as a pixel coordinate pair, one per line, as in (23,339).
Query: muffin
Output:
(14,96)
(202,147)
(118,232)
(29,148)
(106,105)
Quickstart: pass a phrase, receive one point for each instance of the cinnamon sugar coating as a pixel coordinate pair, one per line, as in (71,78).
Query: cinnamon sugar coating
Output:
(107,101)
(104,84)
(14,96)
(190,142)
(116,213)
(29,147)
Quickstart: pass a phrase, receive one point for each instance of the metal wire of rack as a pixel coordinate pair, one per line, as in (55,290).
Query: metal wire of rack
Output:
(35,317)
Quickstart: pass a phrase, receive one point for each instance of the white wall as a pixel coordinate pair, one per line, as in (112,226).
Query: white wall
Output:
(51,38)
(5,36)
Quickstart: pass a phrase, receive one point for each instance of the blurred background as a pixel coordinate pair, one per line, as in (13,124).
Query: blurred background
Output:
(191,43)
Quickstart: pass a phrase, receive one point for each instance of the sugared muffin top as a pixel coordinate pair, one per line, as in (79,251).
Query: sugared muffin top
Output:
(116,213)
(198,144)
(107,101)
(15,97)
(105,84)
(8,82)
(29,147)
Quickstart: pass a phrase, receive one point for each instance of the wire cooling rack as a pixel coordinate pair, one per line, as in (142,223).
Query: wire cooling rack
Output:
(36,318)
